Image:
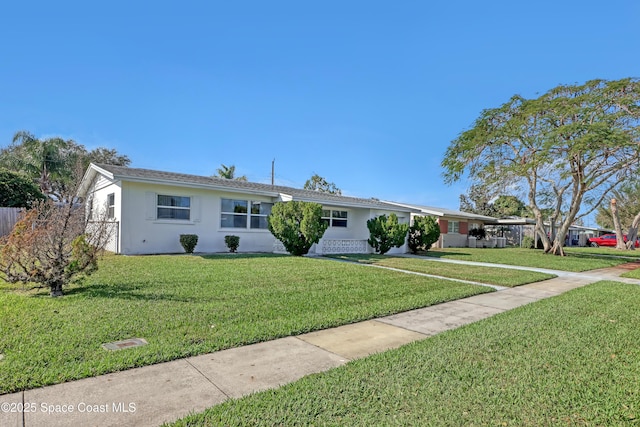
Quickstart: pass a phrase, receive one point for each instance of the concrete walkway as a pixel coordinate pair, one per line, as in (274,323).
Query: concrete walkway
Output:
(151,395)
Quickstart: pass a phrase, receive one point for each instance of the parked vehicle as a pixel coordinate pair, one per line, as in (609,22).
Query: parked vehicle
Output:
(607,240)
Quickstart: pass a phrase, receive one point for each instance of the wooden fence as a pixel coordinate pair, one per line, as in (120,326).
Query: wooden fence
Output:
(8,218)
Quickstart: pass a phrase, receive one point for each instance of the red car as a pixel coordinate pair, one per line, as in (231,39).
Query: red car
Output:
(606,240)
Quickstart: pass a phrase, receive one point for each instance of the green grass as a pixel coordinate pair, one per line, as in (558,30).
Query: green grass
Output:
(189,305)
(527,257)
(633,274)
(568,360)
(491,275)
(607,252)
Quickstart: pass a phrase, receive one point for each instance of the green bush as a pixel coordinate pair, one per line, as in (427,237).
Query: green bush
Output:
(478,233)
(386,233)
(298,225)
(527,242)
(424,232)
(232,242)
(189,242)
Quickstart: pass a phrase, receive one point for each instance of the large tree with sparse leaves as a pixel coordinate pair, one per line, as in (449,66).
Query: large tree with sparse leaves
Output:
(565,150)
(318,183)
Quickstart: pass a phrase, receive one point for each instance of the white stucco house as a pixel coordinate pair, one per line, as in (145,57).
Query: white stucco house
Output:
(151,209)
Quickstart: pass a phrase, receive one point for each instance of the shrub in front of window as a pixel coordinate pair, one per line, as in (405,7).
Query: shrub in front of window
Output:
(424,232)
(298,225)
(189,242)
(478,233)
(232,242)
(385,233)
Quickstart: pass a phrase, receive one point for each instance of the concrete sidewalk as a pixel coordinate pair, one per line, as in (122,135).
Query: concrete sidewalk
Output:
(151,395)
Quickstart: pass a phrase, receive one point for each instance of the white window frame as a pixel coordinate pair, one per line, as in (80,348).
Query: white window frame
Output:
(174,208)
(453,227)
(329,217)
(111,205)
(248,215)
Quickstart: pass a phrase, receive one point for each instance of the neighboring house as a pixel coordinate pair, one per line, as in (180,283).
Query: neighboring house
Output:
(515,228)
(152,208)
(454,225)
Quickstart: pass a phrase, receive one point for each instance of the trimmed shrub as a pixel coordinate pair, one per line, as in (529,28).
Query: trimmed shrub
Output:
(298,225)
(527,242)
(478,233)
(424,232)
(232,242)
(189,242)
(386,233)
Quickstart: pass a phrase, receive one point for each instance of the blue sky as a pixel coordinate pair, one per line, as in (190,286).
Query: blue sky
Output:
(368,94)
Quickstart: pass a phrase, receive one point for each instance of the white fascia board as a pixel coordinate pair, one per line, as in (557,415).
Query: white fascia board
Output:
(89,176)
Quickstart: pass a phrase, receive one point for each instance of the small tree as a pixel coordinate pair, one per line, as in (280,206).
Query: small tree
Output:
(298,225)
(424,232)
(385,233)
(189,242)
(51,245)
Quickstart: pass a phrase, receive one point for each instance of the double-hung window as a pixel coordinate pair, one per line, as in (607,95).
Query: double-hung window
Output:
(259,213)
(334,218)
(244,214)
(174,207)
(454,227)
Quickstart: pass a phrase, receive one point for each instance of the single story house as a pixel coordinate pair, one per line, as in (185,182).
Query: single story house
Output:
(151,209)
(454,225)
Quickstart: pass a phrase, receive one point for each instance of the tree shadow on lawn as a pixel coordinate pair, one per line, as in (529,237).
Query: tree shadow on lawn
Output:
(226,256)
(123,291)
(441,254)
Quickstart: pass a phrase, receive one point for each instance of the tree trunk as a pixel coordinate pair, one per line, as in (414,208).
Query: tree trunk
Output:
(557,248)
(632,234)
(620,244)
(56,289)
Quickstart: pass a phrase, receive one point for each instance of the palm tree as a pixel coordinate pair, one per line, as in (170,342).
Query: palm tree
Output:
(49,162)
(228,172)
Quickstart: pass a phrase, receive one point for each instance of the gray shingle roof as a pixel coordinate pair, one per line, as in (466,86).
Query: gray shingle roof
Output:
(155,176)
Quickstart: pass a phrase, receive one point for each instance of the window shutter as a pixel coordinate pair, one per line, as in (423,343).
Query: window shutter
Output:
(150,198)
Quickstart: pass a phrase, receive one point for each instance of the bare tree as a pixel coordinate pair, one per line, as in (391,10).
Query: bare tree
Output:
(53,243)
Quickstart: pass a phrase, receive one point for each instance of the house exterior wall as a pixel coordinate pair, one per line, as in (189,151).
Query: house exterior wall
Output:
(102,187)
(141,232)
(455,240)
(356,234)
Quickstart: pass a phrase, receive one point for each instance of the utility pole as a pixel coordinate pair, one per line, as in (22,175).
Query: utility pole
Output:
(273,162)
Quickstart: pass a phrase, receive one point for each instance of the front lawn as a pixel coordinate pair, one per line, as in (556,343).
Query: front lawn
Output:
(527,258)
(633,274)
(568,360)
(606,252)
(491,275)
(189,305)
